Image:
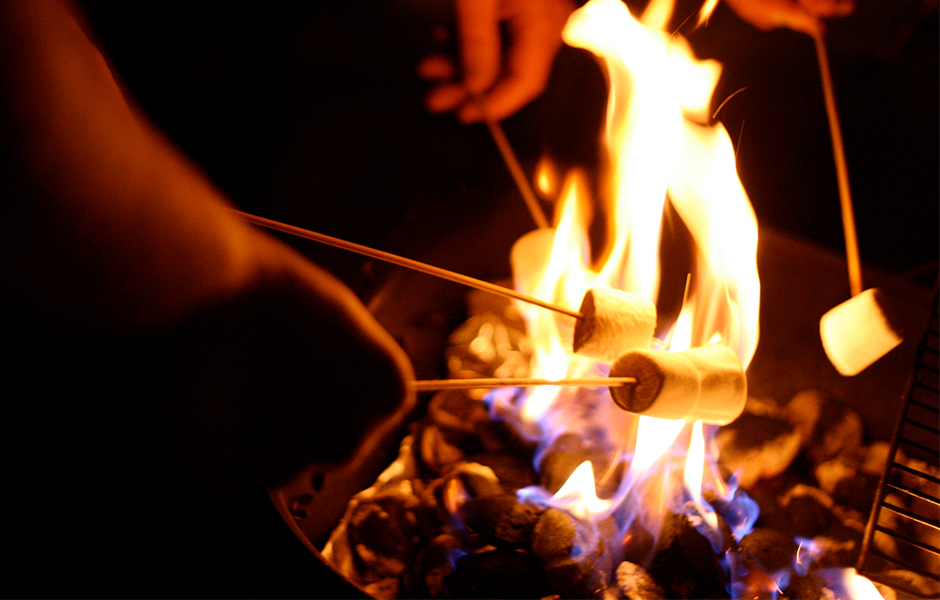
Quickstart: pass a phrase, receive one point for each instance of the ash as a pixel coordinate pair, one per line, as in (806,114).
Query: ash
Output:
(444,519)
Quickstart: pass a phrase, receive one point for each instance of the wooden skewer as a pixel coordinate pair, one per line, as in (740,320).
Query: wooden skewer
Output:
(512,163)
(842,171)
(403,262)
(494,382)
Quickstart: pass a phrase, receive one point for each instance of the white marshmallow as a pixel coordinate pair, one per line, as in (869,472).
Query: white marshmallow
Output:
(724,384)
(706,383)
(856,333)
(529,258)
(613,323)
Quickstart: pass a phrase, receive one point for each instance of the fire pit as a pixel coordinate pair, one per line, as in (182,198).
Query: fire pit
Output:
(532,494)
(313,508)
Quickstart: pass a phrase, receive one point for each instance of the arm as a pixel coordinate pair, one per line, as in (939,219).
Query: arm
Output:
(109,230)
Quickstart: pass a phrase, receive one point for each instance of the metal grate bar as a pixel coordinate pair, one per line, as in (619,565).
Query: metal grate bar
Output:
(909,540)
(925,406)
(915,472)
(900,487)
(923,426)
(913,501)
(913,444)
(935,523)
(900,563)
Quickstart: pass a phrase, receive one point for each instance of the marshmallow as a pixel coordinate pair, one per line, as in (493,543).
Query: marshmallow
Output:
(856,333)
(529,258)
(705,383)
(613,322)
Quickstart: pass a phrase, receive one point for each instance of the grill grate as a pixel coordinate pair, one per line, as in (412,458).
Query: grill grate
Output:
(903,532)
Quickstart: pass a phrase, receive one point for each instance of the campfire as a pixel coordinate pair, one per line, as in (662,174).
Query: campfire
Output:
(629,484)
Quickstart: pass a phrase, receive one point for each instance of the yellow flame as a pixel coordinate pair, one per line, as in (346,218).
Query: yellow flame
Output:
(578,495)
(859,587)
(546,180)
(654,436)
(661,147)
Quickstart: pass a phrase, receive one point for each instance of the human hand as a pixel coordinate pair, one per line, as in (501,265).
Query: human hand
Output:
(244,361)
(506,77)
(799,15)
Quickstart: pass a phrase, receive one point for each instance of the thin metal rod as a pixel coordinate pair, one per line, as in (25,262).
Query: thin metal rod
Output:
(494,382)
(512,163)
(403,262)
(842,171)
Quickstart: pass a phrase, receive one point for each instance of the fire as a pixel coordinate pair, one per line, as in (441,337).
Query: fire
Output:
(662,148)
(663,151)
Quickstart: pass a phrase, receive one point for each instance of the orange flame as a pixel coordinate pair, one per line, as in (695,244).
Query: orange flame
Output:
(662,148)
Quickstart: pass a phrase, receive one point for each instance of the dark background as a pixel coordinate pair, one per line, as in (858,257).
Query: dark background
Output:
(314,115)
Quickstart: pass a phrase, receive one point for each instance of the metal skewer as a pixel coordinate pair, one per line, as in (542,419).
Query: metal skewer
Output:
(403,262)
(494,382)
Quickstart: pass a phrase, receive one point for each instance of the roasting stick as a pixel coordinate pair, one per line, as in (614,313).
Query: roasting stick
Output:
(494,382)
(512,163)
(855,333)
(842,171)
(403,262)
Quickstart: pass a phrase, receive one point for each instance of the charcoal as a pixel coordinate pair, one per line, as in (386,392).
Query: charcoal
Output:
(569,577)
(773,550)
(828,426)
(500,520)
(749,579)
(809,510)
(856,492)
(383,589)
(513,470)
(565,455)
(721,539)
(457,413)
(436,452)
(738,511)
(382,533)
(804,586)
(553,536)
(685,564)
(477,479)
(500,574)
(635,583)
(925,587)
(875,459)
(757,447)
(500,436)
(838,546)
(637,543)
(830,474)
(431,574)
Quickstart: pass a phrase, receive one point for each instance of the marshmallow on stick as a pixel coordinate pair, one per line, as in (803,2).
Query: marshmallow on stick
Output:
(705,383)
(613,322)
(856,333)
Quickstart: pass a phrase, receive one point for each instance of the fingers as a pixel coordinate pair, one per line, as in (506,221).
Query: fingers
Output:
(804,16)
(535,37)
(480,44)
(828,8)
(478,32)
(506,77)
